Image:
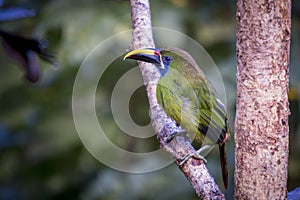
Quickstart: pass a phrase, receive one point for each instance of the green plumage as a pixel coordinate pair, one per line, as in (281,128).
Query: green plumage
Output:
(188,97)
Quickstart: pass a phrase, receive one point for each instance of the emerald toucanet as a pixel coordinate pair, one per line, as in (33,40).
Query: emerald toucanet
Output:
(188,98)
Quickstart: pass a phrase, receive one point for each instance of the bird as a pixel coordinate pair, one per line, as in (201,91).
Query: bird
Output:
(188,98)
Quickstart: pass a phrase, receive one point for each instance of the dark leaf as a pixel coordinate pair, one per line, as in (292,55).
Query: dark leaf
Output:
(24,51)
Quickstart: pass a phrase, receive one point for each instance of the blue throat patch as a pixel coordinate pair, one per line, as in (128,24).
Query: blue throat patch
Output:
(167,62)
(163,71)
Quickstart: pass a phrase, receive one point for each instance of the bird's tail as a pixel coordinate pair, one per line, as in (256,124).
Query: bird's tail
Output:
(223,162)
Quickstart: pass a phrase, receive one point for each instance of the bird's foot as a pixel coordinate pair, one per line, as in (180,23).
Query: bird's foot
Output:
(197,154)
(176,133)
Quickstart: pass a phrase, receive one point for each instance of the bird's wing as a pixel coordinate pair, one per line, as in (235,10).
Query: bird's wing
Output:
(196,110)
(212,118)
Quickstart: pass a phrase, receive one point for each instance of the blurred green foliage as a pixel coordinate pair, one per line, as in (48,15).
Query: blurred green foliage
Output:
(41,154)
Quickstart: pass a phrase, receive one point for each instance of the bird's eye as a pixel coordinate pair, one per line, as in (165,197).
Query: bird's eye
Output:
(167,60)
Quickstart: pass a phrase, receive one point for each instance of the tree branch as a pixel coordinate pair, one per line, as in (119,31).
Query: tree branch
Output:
(194,169)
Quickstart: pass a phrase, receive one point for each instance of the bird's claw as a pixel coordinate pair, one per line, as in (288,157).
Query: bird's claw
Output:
(197,155)
(175,133)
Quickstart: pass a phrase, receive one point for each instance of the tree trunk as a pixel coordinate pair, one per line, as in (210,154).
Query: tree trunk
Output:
(261,126)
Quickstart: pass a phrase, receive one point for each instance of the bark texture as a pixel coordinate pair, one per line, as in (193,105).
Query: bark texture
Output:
(261,126)
(195,170)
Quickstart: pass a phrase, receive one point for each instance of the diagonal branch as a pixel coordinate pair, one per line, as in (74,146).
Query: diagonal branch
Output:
(194,169)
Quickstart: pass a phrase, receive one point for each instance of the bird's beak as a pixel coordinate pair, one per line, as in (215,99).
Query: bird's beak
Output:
(147,55)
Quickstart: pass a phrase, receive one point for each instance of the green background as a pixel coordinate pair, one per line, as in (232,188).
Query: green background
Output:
(41,155)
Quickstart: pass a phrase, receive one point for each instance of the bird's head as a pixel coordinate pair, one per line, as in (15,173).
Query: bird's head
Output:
(160,58)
